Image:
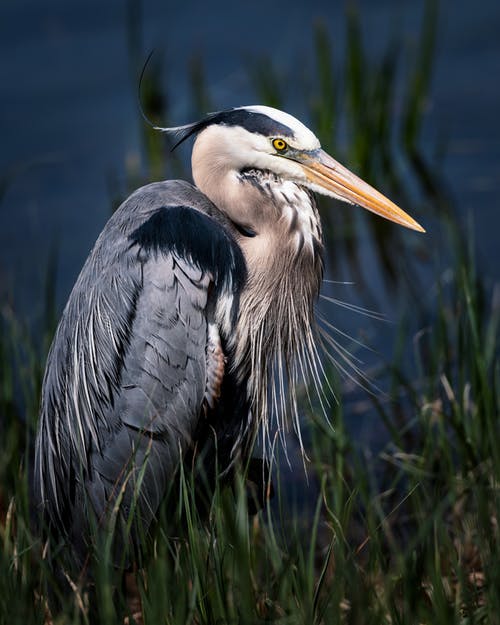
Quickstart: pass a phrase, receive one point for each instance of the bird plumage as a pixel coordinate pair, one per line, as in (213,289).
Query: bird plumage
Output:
(128,374)
(193,312)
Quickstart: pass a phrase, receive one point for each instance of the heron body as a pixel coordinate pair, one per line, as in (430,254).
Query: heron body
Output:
(193,308)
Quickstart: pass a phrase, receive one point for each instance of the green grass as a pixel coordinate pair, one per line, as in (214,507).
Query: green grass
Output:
(406,535)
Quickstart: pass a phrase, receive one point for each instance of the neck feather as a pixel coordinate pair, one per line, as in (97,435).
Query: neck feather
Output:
(276,330)
(275,341)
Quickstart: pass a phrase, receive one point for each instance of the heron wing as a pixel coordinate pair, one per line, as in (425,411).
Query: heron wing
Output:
(127,374)
(161,391)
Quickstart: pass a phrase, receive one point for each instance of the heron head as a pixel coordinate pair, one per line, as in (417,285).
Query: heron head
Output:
(265,138)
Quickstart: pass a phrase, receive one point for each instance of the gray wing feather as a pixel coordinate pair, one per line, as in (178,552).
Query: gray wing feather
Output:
(127,372)
(158,405)
(167,365)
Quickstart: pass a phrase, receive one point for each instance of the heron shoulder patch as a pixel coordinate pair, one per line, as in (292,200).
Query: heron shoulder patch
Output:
(196,237)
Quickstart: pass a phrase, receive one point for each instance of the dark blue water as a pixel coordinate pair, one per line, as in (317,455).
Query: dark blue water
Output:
(69,122)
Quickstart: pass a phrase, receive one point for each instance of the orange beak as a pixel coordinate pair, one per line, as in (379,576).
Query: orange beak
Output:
(325,172)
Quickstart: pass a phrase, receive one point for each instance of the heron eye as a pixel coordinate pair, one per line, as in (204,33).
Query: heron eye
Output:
(280,145)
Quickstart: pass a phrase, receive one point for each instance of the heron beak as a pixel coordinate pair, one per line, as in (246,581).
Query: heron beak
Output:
(325,172)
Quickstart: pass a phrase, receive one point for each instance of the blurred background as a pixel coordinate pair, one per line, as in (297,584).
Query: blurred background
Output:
(404,93)
(72,136)
(398,517)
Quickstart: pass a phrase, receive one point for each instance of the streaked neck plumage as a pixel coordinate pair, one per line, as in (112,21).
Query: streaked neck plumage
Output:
(278,228)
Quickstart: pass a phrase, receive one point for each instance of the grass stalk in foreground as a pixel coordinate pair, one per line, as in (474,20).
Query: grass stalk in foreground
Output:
(410,536)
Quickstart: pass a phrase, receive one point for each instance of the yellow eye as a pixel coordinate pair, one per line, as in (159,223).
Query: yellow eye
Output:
(280,145)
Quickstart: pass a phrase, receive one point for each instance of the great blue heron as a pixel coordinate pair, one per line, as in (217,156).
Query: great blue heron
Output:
(193,300)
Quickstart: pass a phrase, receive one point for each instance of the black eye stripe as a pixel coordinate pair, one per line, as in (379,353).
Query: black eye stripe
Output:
(252,121)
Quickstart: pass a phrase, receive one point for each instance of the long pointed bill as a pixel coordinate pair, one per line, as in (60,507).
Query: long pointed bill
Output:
(324,171)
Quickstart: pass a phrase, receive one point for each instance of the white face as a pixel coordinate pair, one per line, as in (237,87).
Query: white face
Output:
(222,151)
(234,148)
